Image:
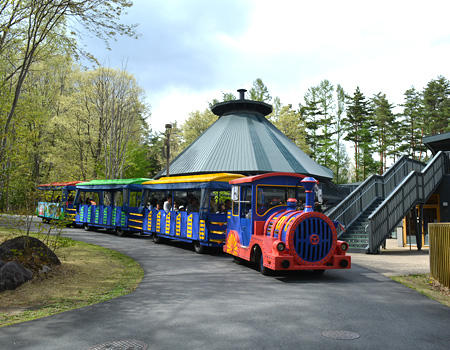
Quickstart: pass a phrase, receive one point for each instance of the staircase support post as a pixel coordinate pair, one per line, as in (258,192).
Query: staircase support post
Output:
(419,228)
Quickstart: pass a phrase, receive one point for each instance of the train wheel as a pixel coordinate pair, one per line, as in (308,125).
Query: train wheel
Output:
(318,272)
(156,239)
(86,227)
(199,249)
(120,232)
(264,270)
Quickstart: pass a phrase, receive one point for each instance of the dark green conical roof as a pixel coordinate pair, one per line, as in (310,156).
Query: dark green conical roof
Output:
(242,140)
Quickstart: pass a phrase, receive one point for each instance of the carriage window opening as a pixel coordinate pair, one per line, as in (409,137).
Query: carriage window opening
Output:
(235,195)
(118,198)
(91,198)
(273,196)
(107,198)
(179,200)
(71,196)
(220,202)
(135,199)
(246,202)
(193,201)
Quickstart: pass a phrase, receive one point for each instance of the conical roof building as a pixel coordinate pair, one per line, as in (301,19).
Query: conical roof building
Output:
(243,141)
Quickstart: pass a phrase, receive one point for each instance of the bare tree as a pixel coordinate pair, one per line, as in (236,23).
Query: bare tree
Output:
(26,26)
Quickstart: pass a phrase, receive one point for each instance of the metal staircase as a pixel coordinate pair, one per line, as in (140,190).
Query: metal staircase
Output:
(356,235)
(376,206)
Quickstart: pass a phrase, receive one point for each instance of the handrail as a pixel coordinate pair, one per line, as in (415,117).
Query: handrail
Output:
(373,188)
(415,188)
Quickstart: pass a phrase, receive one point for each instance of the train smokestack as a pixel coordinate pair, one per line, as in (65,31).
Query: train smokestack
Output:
(242,94)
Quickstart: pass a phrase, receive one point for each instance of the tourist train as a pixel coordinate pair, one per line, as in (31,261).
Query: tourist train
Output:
(261,219)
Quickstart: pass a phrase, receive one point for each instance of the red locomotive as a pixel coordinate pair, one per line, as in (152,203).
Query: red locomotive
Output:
(267,226)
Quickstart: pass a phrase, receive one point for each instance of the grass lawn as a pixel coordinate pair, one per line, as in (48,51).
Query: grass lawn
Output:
(425,285)
(88,274)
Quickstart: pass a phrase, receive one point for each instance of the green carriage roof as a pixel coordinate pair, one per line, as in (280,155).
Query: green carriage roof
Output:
(115,182)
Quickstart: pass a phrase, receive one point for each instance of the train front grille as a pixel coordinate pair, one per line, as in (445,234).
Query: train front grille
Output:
(313,239)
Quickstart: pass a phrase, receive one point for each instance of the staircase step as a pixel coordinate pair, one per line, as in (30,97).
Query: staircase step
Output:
(355,237)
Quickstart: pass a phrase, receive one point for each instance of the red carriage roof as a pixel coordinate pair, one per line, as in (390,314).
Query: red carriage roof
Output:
(262,176)
(60,184)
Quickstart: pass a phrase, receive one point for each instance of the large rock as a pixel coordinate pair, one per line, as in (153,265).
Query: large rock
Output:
(12,275)
(30,251)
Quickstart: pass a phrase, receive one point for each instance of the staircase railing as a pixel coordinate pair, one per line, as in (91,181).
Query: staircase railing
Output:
(416,188)
(373,188)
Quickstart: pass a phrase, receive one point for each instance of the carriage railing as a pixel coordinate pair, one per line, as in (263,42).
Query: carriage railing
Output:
(416,188)
(373,188)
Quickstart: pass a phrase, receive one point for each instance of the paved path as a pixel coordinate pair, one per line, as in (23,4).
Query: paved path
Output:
(190,301)
(395,261)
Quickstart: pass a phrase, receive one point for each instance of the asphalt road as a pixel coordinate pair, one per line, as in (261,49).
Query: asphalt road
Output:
(190,301)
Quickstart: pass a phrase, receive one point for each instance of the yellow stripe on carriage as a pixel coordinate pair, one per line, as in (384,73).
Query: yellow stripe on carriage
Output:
(217,240)
(218,232)
(218,223)
(140,221)
(136,214)
(139,228)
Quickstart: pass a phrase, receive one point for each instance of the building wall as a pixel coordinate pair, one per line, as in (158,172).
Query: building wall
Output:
(444,197)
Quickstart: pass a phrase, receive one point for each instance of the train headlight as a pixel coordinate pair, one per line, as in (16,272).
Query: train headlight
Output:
(344,246)
(281,246)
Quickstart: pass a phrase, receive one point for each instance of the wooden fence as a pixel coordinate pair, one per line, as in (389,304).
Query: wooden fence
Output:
(440,252)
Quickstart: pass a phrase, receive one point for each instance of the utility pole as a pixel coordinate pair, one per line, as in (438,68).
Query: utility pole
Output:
(168,132)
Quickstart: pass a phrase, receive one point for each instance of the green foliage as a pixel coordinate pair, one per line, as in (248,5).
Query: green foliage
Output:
(413,125)
(436,103)
(385,130)
(358,126)
(196,124)
(260,92)
(292,124)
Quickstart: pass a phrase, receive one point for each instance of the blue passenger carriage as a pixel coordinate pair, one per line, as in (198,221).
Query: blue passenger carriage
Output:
(188,208)
(113,205)
(57,201)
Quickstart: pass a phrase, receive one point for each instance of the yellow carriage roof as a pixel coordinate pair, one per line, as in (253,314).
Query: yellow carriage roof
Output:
(218,177)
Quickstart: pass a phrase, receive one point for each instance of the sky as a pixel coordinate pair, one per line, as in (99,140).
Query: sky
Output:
(190,52)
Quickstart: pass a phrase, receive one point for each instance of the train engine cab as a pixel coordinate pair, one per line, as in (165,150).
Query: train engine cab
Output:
(269,226)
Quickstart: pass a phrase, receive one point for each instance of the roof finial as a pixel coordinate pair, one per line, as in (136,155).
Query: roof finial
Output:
(242,94)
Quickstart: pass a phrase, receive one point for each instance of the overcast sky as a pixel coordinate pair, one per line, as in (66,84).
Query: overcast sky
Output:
(191,51)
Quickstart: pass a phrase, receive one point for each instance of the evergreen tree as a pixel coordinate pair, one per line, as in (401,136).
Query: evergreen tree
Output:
(358,127)
(340,157)
(310,111)
(326,124)
(436,101)
(260,92)
(384,131)
(413,124)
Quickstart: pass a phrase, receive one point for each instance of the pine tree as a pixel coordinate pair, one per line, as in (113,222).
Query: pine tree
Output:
(413,124)
(385,133)
(326,123)
(260,92)
(436,101)
(358,127)
(340,157)
(311,113)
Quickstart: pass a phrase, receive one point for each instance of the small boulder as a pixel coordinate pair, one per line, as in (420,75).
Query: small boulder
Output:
(12,275)
(30,251)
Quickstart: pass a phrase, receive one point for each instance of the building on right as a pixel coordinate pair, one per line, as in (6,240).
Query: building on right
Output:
(414,229)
